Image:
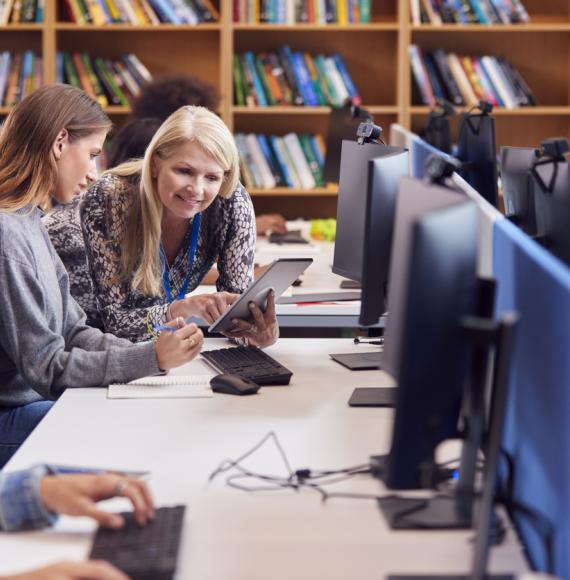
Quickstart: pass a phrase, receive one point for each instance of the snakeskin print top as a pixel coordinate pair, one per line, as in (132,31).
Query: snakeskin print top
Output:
(226,237)
(64,229)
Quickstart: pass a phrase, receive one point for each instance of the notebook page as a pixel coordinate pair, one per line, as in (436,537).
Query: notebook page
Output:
(163,387)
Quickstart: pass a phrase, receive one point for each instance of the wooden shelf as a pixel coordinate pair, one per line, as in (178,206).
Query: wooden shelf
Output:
(117,110)
(500,112)
(376,55)
(22,27)
(374,109)
(330,190)
(63,26)
(294,28)
(492,28)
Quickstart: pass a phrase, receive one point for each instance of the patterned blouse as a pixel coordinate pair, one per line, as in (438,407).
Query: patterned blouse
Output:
(64,229)
(226,237)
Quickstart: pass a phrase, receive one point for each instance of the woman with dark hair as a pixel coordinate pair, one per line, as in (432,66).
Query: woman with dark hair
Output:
(48,148)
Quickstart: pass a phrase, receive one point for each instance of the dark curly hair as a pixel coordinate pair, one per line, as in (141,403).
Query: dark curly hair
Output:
(161,97)
(131,140)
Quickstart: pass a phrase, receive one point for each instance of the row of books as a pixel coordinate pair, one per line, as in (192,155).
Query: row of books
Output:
(21,11)
(20,75)
(110,82)
(468,12)
(294,160)
(464,80)
(292,78)
(302,11)
(140,12)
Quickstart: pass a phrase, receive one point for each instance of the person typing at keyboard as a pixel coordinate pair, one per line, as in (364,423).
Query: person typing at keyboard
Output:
(31,499)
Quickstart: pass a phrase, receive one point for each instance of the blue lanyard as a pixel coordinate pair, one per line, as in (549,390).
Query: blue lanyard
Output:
(191,253)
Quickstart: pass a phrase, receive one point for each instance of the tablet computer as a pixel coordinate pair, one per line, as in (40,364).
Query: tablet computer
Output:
(279,276)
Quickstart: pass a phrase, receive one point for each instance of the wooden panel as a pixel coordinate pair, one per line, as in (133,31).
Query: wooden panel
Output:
(548,10)
(296,206)
(299,124)
(19,40)
(371,57)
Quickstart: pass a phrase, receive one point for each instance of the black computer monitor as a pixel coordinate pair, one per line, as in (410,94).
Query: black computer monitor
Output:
(384,175)
(551,186)
(343,124)
(351,206)
(516,163)
(437,131)
(433,283)
(476,149)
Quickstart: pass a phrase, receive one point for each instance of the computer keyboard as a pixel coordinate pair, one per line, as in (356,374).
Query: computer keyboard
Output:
(249,363)
(146,552)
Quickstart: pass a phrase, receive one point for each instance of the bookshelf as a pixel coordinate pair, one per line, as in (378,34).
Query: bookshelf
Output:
(376,55)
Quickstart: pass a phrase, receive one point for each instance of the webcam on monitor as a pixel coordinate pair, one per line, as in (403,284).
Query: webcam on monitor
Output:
(368,132)
(438,169)
(556,147)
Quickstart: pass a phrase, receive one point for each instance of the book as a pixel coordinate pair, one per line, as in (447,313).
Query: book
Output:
(163,387)
(267,178)
(420,76)
(300,163)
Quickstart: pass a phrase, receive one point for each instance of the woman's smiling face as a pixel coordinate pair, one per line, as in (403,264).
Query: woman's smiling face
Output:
(188,181)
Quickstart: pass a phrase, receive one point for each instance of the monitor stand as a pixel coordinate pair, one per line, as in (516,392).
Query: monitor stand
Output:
(350,285)
(373,397)
(359,361)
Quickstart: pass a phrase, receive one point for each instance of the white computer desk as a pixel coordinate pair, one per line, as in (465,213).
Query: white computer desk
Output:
(233,535)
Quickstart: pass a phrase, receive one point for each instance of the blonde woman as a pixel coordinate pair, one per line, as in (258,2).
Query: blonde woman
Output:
(48,147)
(154,227)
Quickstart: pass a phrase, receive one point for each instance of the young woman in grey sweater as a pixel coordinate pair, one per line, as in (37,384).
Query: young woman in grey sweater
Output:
(48,147)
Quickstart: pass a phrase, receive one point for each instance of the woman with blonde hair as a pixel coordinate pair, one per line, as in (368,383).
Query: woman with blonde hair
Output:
(154,227)
(48,147)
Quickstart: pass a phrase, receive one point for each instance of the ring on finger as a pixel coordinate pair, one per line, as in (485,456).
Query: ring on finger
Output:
(121,486)
(192,342)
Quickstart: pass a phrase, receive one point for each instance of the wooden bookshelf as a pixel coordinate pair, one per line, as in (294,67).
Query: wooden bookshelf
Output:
(376,55)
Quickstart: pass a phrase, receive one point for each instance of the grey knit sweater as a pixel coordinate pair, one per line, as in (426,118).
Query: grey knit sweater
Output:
(45,346)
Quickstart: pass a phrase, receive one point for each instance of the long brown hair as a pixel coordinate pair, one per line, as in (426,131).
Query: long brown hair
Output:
(28,171)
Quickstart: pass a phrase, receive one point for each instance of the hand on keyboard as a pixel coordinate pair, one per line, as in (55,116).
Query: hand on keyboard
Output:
(77,494)
(144,553)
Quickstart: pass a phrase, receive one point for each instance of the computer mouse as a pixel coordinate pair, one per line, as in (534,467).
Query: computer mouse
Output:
(233,385)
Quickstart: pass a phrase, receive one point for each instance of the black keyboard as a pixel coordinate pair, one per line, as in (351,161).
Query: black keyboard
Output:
(143,552)
(249,363)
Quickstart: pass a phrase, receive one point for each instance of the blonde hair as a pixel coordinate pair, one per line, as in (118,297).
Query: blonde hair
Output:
(28,170)
(144,222)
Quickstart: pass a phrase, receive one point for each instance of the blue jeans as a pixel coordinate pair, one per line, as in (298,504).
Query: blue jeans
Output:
(16,423)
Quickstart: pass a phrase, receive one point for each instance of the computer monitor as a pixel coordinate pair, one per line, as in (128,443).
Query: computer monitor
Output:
(343,124)
(516,163)
(384,175)
(433,283)
(437,131)
(551,186)
(420,153)
(476,149)
(351,206)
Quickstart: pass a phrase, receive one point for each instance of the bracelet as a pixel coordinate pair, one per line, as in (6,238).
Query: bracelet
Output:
(149,326)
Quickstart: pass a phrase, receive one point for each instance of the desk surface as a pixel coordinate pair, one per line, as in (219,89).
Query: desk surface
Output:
(230,534)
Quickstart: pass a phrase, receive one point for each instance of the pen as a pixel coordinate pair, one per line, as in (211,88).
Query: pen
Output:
(72,469)
(163,327)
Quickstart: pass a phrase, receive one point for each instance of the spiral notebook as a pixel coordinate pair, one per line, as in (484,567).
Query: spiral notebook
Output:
(163,387)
